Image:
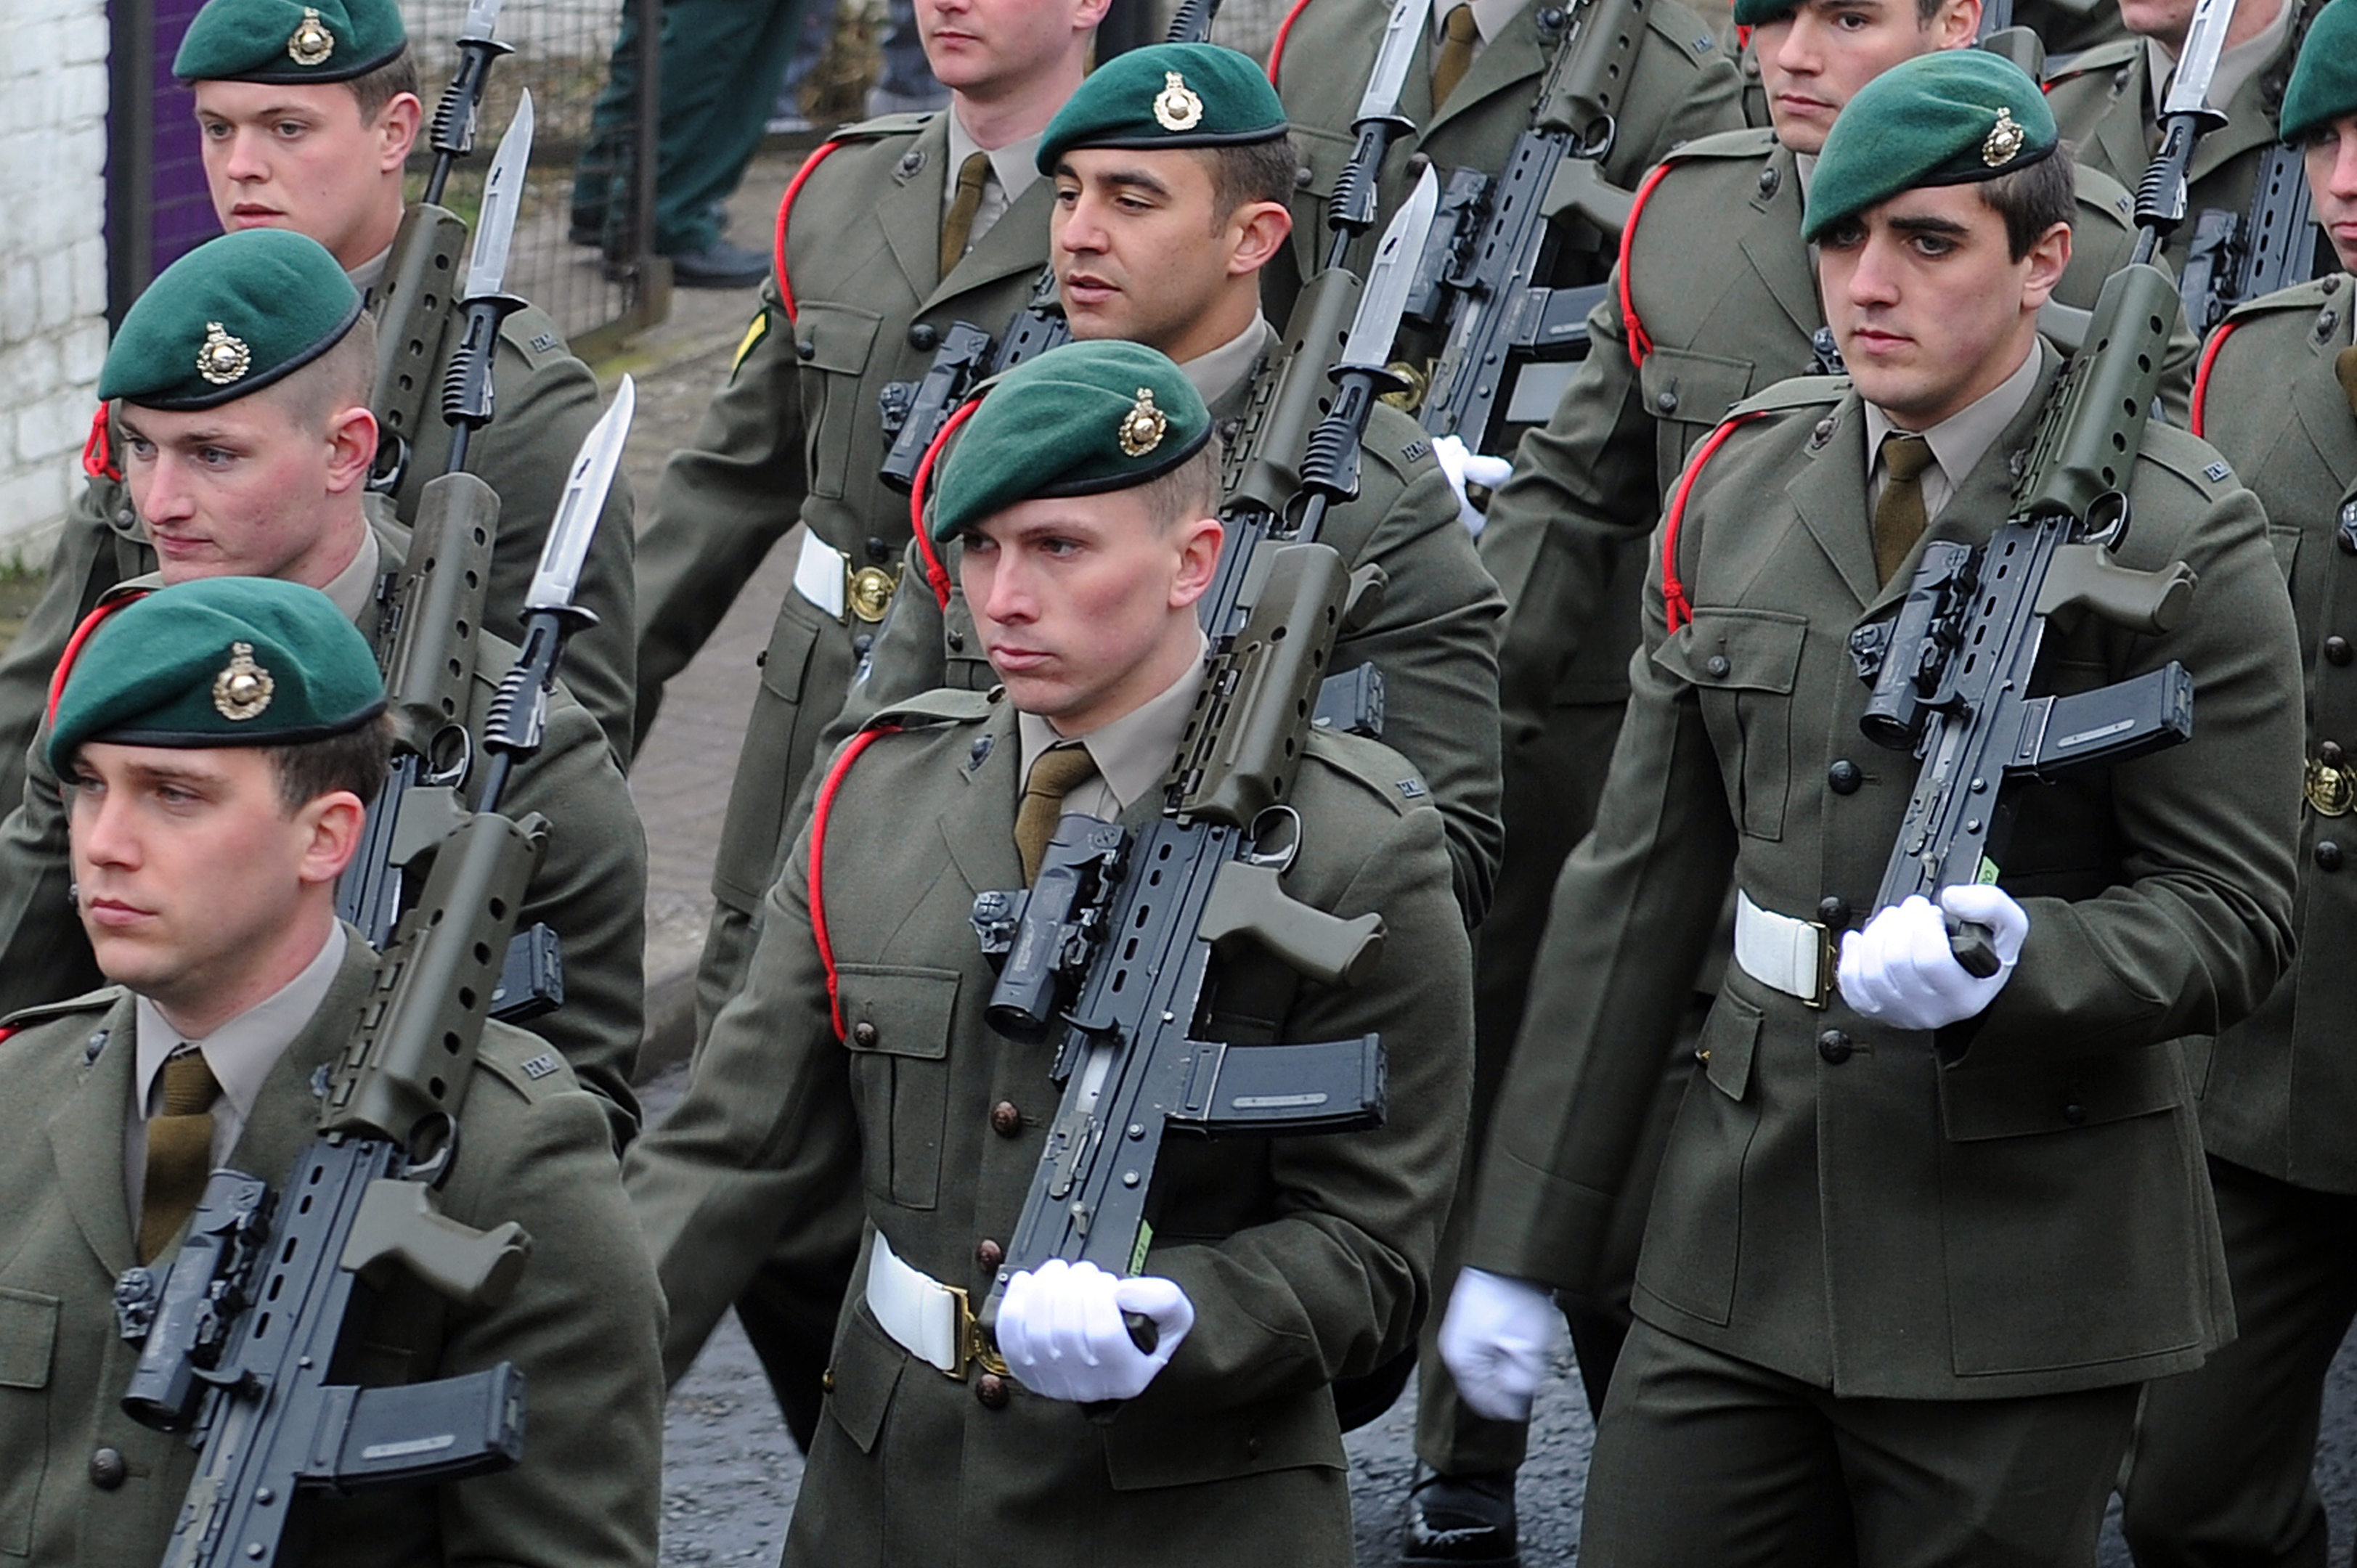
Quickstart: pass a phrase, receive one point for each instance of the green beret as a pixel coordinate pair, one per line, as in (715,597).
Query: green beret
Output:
(2324,85)
(1948,117)
(228,318)
(281,40)
(1167,95)
(1079,420)
(217,661)
(1760,13)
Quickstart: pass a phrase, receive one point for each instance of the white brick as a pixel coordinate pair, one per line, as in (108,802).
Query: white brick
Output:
(85,40)
(20,300)
(39,48)
(85,351)
(57,286)
(28,499)
(90,278)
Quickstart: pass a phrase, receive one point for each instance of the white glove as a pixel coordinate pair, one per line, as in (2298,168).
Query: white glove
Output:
(1463,466)
(1061,1330)
(1498,1339)
(1900,970)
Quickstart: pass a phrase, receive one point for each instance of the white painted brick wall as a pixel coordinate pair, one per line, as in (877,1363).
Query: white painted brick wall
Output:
(52,258)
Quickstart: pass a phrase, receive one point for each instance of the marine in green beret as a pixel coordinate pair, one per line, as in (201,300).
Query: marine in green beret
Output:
(240,383)
(221,739)
(340,74)
(218,661)
(288,41)
(1167,95)
(1086,494)
(1906,1223)
(2224,1460)
(1076,420)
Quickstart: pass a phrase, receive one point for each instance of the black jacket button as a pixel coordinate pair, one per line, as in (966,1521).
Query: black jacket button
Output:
(1835,1046)
(989,1254)
(2336,649)
(923,337)
(1006,1120)
(991,1389)
(107,1469)
(2328,856)
(863,1033)
(1843,776)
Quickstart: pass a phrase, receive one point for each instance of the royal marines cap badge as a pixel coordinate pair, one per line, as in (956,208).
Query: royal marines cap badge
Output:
(1142,426)
(311,44)
(2004,141)
(1177,107)
(242,690)
(224,356)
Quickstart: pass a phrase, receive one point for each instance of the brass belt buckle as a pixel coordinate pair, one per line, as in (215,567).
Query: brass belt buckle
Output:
(973,1340)
(867,593)
(1828,958)
(2330,788)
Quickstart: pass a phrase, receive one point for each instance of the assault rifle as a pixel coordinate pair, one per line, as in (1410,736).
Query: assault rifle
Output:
(966,355)
(2240,256)
(432,617)
(238,1335)
(1951,672)
(1205,876)
(412,298)
(1480,280)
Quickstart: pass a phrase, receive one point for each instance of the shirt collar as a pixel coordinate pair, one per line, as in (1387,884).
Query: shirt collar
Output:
(1134,752)
(1015,165)
(367,275)
(1489,18)
(242,1051)
(355,585)
(1215,374)
(1961,440)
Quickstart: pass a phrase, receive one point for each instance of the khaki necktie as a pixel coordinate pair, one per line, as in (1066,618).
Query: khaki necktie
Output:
(1899,517)
(1456,56)
(957,228)
(1055,775)
(179,1150)
(2345,367)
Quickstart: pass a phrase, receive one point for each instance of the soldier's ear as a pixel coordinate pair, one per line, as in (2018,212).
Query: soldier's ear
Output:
(396,130)
(2049,258)
(1256,232)
(1198,560)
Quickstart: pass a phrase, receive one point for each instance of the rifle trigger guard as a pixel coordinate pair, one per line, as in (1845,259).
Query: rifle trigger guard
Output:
(1596,139)
(1275,839)
(2107,520)
(437,1133)
(449,757)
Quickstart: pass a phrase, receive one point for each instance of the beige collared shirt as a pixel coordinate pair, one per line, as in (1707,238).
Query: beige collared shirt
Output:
(1489,20)
(2235,66)
(1215,374)
(1133,753)
(352,587)
(364,276)
(240,1052)
(1958,441)
(1013,167)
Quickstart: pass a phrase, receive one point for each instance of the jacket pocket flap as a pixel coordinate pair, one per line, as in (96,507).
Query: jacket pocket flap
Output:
(1733,649)
(1700,388)
(898,1010)
(1169,1450)
(28,1334)
(838,337)
(2019,1098)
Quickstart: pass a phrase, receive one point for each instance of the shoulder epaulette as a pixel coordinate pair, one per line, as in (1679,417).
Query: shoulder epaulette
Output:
(2190,458)
(1746,144)
(2299,299)
(1751,142)
(2102,56)
(1794,391)
(1375,767)
(883,126)
(23,1018)
(1697,44)
(946,705)
(524,1063)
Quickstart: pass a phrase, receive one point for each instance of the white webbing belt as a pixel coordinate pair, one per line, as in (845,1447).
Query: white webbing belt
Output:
(1780,951)
(822,574)
(924,1316)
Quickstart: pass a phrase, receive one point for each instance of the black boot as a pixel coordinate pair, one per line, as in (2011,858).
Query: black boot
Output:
(1467,1522)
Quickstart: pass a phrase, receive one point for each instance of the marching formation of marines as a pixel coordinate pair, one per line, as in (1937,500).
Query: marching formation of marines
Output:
(1525,666)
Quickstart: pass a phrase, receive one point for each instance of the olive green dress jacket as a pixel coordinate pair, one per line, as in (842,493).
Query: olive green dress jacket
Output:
(2281,1084)
(1307,1259)
(2019,1207)
(582,1324)
(591,888)
(545,403)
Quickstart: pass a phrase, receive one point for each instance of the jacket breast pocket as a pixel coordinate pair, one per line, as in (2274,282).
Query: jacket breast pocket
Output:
(897,1020)
(1742,664)
(28,1336)
(835,340)
(1687,394)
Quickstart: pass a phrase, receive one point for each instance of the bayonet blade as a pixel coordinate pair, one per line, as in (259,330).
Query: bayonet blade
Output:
(585,499)
(502,194)
(2197,62)
(1401,34)
(482,16)
(1390,279)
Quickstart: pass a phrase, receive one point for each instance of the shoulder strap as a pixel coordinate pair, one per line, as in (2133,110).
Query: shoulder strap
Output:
(820,813)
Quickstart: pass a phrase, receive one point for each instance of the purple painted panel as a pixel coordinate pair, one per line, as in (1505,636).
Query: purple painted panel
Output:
(183,213)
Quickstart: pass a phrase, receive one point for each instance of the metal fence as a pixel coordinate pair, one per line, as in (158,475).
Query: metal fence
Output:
(599,292)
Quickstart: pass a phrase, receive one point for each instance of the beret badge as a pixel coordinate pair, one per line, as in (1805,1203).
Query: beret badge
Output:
(224,356)
(311,44)
(1177,107)
(242,691)
(1142,426)
(2004,141)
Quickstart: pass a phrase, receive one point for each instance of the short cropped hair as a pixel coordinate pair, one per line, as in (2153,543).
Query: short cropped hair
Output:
(2032,200)
(1188,491)
(356,760)
(1257,171)
(388,82)
(344,377)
